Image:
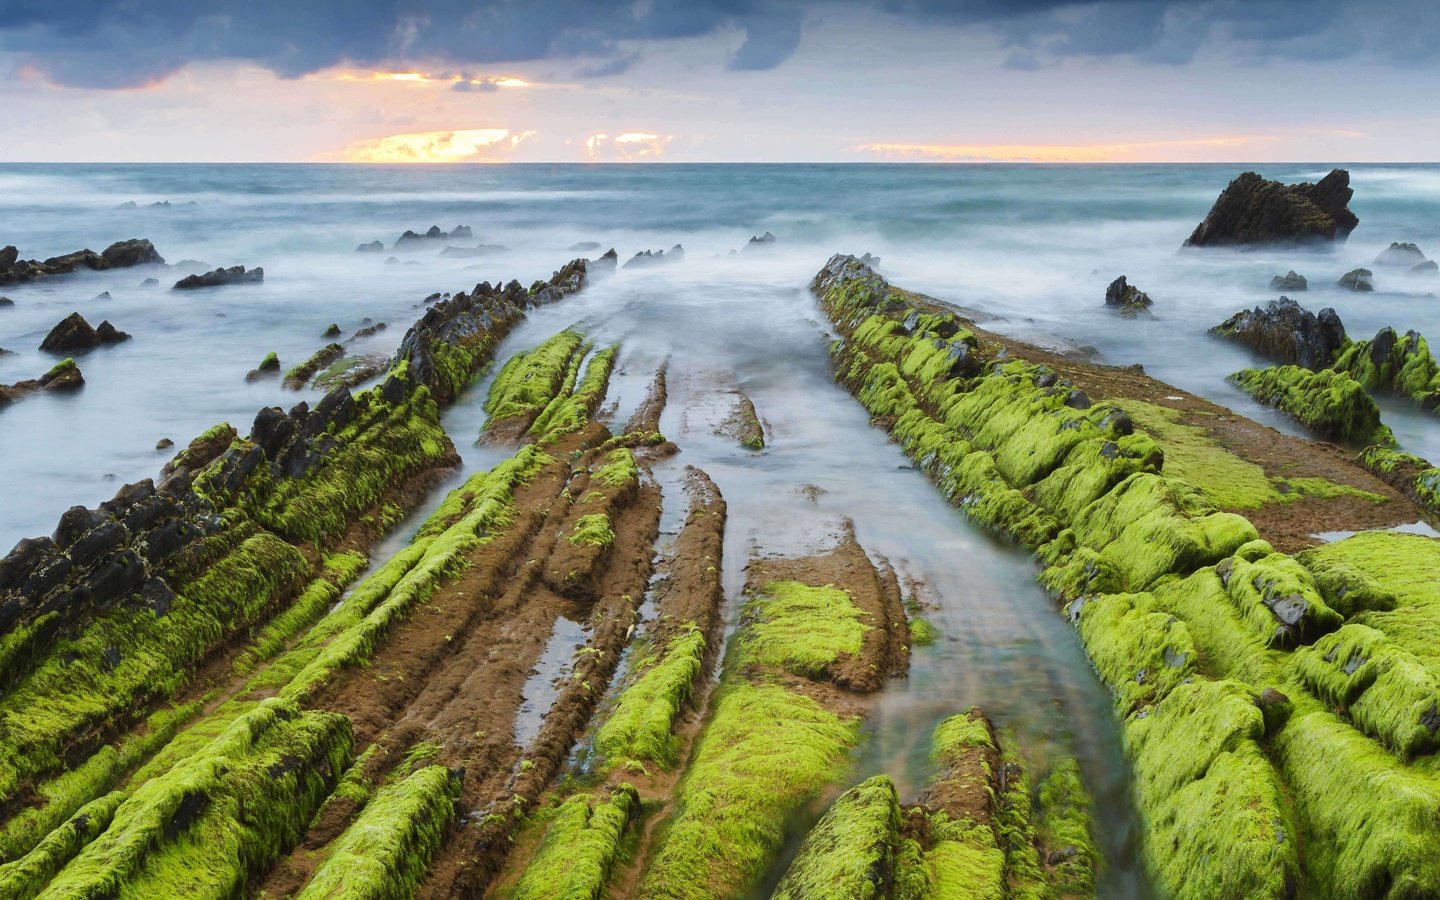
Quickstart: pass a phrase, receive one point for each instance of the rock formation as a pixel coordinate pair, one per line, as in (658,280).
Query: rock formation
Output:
(1398,254)
(122,254)
(74,333)
(1291,281)
(1252,210)
(1286,332)
(1357,280)
(220,277)
(63,376)
(652,258)
(1126,298)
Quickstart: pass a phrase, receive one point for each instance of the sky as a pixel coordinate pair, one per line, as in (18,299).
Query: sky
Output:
(429,81)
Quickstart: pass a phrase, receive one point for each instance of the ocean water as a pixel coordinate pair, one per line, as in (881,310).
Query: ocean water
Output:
(1031,246)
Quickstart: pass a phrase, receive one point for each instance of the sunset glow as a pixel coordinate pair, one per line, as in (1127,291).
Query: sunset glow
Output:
(469,145)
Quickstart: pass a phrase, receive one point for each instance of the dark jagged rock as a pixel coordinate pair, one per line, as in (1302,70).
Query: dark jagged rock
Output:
(368,331)
(372,247)
(1252,210)
(119,255)
(332,331)
(1290,282)
(64,376)
(1126,298)
(652,258)
(1398,254)
(1357,280)
(6,301)
(435,233)
(220,277)
(471,252)
(1287,333)
(74,333)
(1428,267)
(606,262)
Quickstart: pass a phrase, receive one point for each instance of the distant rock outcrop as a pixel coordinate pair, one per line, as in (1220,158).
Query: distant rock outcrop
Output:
(1428,267)
(765,241)
(119,255)
(1288,333)
(468,252)
(1127,298)
(74,333)
(605,262)
(411,239)
(649,258)
(1291,282)
(220,277)
(1252,210)
(1398,254)
(372,247)
(1357,280)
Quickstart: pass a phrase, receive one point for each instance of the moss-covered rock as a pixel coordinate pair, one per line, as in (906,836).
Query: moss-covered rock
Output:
(850,851)
(1329,403)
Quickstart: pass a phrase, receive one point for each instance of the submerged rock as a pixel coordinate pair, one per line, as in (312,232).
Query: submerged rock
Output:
(1127,298)
(371,247)
(765,241)
(605,262)
(74,333)
(332,331)
(1290,281)
(1428,267)
(121,254)
(435,233)
(221,277)
(469,252)
(270,365)
(368,330)
(1398,254)
(583,247)
(649,258)
(1357,280)
(1287,332)
(1252,210)
(6,301)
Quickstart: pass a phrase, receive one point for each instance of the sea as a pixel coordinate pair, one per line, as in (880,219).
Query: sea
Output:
(1030,247)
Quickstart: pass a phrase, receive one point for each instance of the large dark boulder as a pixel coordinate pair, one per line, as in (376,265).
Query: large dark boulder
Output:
(220,277)
(1286,332)
(1125,297)
(1252,210)
(121,254)
(74,333)
(134,252)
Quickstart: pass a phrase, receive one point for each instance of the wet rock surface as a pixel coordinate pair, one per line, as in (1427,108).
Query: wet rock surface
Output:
(1252,210)
(1358,280)
(74,333)
(1126,298)
(656,257)
(121,254)
(1398,254)
(1286,332)
(1291,281)
(64,376)
(221,278)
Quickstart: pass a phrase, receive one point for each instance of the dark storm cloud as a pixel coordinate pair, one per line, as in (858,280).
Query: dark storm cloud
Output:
(90,43)
(125,43)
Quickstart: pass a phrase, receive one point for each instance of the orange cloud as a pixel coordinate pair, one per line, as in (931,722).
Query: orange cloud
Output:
(629,145)
(1137,151)
(468,145)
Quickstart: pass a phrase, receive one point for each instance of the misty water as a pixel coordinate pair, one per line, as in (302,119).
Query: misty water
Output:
(1033,247)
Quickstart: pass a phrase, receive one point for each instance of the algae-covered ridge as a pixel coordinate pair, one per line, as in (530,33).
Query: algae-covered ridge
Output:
(1241,674)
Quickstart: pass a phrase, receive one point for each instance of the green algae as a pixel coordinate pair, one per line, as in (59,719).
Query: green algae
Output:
(385,852)
(300,374)
(801,629)
(641,726)
(1329,402)
(27,876)
(528,381)
(1216,817)
(1141,653)
(1065,825)
(1400,365)
(1193,456)
(1277,596)
(570,411)
(339,570)
(765,751)
(184,827)
(580,847)
(593,529)
(850,851)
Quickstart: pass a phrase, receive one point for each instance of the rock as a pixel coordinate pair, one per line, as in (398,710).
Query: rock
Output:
(606,262)
(128,204)
(1287,333)
(104,295)
(150,282)
(461,233)
(220,277)
(6,301)
(4,352)
(1357,280)
(164,444)
(648,258)
(372,247)
(762,242)
(1398,254)
(583,247)
(410,238)
(1291,281)
(1127,298)
(467,252)
(270,365)
(193,265)
(368,331)
(332,331)
(134,252)
(1252,210)
(74,333)
(1428,267)
(64,376)
(121,254)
